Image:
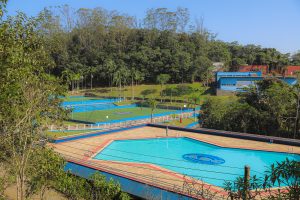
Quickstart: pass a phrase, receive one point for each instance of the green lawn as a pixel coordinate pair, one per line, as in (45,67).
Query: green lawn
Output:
(127,91)
(184,123)
(100,115)
(203,92)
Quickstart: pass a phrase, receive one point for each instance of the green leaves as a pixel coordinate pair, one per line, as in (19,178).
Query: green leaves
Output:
(269,108)
(163,78)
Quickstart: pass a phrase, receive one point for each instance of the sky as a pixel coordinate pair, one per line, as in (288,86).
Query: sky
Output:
(269,23)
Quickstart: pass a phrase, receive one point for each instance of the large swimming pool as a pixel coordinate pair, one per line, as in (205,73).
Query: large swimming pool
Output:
(200,160)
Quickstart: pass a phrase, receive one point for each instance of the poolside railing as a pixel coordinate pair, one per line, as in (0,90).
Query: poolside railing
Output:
(125,123)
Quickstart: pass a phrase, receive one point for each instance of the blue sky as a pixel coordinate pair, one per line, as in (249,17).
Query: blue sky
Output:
(269,23)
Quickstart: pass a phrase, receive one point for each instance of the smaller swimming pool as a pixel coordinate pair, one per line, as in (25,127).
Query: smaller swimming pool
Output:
(199,160)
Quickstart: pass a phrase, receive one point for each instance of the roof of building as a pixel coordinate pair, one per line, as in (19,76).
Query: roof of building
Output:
(246,68)
(291,69)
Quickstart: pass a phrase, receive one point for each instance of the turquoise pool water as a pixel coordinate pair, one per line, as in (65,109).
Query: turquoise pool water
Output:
(169,153)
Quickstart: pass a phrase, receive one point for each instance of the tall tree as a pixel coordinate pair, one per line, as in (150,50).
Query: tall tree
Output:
(29,95)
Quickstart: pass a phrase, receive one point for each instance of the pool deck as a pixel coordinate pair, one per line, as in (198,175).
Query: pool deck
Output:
(82,151)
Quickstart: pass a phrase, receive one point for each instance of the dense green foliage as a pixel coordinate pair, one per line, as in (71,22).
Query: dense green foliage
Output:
(270,108)
(46,171)
(29,102)
(28,95)
(110,48)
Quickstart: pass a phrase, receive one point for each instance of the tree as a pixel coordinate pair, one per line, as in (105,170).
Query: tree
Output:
(268,108)
(44,170)
(100,189)
(296,58)
(120,78)
(152,104)
(29,95)
(2,7)
(88,38)
(162,79)
(110,68)
(147,92)
(297,94)
(135,76)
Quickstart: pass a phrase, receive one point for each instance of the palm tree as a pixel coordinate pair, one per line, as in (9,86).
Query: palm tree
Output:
(120,78)
(67,77)
(117,79)
(110,68)
(135,77)
(125,77)
(152,104)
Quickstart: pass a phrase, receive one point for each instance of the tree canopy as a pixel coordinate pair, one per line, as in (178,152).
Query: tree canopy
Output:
(269,108)
(165,42)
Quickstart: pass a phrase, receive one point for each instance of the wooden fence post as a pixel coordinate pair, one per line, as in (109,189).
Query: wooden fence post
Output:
(246,182)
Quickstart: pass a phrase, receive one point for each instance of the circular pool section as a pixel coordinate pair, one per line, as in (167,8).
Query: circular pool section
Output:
(203,159)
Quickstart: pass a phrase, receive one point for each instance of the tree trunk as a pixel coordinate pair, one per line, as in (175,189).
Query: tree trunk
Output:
(110,84)
(72,86)
(132,90)
(120,91)
(161,87)
(91,81)
(20,186)
(124,97)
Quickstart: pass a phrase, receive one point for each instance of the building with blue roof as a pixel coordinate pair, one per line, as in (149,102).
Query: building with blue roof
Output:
(231,82)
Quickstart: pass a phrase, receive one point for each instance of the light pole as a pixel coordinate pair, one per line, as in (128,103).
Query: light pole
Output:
(181,113)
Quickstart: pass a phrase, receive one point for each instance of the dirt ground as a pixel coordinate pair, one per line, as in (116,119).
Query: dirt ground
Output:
(11,194)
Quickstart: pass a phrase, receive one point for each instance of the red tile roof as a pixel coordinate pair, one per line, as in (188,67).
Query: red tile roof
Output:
(248,68)
(290,70)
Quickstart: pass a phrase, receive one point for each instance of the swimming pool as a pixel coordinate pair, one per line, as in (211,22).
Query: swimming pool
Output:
(186,156)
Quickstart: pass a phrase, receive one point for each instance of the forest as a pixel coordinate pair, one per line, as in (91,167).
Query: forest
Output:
(104,48)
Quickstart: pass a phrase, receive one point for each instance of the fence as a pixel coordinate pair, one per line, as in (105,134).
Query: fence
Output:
(122,124)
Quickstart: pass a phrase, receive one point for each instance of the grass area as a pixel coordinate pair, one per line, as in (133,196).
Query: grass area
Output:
(203,92)
(115,114)
(184,123)
(177,104)
(127,91)
(55,134)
